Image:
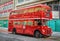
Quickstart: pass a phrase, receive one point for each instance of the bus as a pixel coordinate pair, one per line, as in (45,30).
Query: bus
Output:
(31,21)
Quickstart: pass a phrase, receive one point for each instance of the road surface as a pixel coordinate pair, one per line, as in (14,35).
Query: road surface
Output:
(13,37)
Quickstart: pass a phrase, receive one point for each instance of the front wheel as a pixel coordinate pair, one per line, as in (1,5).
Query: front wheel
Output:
(37,34)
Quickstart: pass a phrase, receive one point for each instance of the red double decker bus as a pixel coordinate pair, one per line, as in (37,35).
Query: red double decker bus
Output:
(31,21)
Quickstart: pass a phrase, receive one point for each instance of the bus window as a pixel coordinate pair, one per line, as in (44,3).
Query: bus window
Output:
(16,23)
(30,23)
(25,22)
(31,10)
(25,11)
(37,9)
(48,13)
(38,22)
(44,22)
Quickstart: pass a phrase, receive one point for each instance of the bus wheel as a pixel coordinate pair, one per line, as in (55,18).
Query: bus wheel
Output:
(14,31)
(37,34)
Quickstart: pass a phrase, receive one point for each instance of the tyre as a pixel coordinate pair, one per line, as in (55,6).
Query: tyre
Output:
(14,31)
(37,34)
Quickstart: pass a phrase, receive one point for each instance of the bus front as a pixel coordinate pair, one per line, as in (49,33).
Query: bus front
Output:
(45,29)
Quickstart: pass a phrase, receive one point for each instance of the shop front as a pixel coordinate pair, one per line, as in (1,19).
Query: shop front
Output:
(3,23)
(54,25)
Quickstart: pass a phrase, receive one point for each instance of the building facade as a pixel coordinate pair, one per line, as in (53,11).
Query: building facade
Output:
(4,13)
(25,3)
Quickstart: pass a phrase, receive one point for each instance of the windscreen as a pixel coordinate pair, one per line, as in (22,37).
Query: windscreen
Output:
(40,22)
(48,13)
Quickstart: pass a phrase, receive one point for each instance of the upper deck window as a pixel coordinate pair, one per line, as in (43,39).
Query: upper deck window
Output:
(30,10)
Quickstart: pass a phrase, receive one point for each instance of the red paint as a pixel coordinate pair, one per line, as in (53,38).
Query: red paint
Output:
(30,16)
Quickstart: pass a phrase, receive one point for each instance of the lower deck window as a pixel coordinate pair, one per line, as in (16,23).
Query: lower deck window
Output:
(30,23)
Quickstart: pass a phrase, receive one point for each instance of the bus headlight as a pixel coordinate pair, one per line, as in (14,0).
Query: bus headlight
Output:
(43,30)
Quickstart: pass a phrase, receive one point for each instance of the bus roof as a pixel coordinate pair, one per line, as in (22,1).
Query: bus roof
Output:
(38,5)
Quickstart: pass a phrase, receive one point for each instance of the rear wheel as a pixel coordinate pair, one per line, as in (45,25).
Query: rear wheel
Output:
(37,34)
(14,31)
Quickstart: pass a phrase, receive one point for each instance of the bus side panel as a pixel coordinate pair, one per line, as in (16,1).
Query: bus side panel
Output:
(10,26)
(30,30)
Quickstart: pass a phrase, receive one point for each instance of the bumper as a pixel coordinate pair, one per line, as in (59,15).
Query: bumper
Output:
(48,32)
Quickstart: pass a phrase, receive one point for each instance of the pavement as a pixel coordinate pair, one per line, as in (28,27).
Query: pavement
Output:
(56,34)
(2,30)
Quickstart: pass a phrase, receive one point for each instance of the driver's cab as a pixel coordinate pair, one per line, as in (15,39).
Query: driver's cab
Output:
(40,22)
